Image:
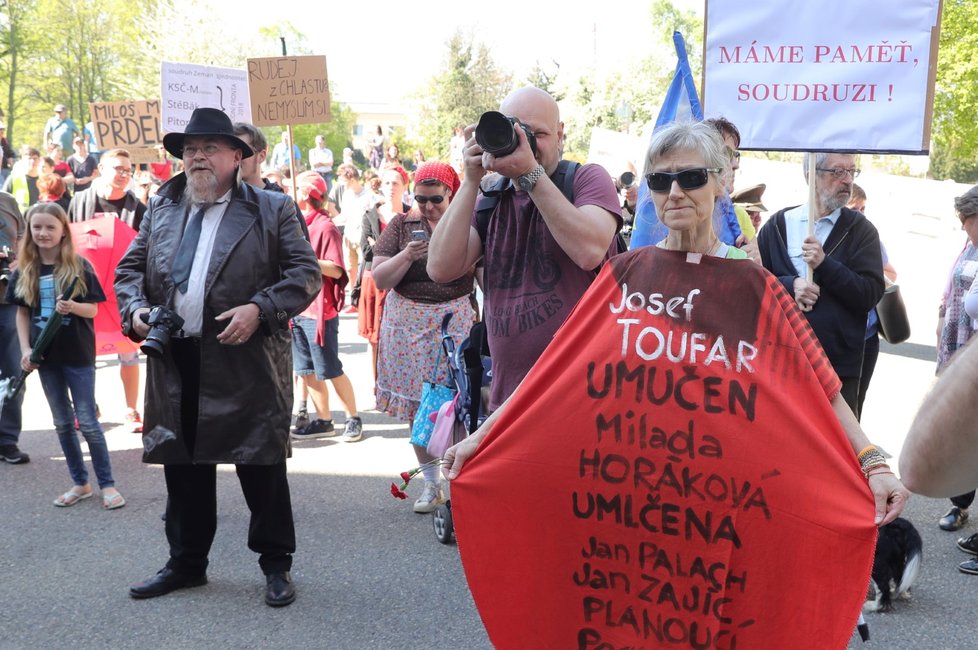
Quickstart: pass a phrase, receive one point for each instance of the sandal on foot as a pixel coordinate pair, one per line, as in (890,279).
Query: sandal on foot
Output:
(71,497)
(113,501)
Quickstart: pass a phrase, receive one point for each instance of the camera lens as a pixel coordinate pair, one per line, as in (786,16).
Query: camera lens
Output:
(152,347)
(627,179)
(495,134)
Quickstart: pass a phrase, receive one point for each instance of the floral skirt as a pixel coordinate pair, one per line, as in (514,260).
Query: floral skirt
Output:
(370,308)
(410,339)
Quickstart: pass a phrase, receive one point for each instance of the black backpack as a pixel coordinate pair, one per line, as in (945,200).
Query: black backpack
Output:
(562,178)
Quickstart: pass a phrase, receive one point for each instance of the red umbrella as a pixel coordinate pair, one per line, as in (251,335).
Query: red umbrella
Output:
(103,241)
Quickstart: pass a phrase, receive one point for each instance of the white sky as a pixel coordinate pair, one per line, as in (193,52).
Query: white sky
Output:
(380,50)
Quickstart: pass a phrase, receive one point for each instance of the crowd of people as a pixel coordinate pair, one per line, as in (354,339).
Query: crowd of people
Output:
(249,285)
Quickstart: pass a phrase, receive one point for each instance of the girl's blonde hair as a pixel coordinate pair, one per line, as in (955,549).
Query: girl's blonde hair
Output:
(68,266)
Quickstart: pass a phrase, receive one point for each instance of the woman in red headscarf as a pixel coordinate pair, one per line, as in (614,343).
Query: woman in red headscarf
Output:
(410,332)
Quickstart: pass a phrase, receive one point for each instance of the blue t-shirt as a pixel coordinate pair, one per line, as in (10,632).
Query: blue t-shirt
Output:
(74,343)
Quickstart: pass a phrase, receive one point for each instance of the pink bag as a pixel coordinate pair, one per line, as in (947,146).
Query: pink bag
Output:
(442,437)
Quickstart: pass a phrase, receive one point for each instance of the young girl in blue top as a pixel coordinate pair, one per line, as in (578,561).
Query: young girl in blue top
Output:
(47,263)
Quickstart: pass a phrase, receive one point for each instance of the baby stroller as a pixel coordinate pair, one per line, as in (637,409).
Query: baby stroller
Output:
(471,370)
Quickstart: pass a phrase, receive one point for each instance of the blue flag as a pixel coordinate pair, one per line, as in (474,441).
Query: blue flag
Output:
(682,104)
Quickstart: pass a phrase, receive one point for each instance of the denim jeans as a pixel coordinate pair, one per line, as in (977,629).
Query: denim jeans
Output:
(80,381)
(10,421)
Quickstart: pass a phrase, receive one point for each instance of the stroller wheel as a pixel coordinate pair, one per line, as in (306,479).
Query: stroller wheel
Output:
(441,520)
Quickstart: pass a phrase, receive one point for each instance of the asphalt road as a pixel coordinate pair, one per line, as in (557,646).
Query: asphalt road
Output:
(369,572)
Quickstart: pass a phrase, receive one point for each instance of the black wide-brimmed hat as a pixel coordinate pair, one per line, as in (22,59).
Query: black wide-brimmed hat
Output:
(206,122)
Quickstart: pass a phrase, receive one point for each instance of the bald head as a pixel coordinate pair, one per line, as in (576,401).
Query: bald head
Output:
(538,110)
(530,98)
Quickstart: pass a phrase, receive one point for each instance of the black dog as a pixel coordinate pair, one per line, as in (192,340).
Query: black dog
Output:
(899,550)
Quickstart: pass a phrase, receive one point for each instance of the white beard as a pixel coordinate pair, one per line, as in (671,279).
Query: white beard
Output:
(202,187)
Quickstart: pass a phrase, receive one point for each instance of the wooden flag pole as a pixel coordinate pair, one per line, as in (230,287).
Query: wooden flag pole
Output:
(288,128)
(812,216)
(295,191)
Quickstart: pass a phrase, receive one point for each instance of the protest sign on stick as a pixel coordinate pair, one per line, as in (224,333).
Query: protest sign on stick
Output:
(795,76)
(127,125)
(186,86)
(287,90)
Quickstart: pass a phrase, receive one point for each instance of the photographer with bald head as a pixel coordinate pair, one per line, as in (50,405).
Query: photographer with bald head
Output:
(541,250)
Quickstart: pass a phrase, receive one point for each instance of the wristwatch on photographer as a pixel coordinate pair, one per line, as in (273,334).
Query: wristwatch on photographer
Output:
(529,180)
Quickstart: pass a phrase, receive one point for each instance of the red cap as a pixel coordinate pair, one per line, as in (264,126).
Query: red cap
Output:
(312,184)
(438,171)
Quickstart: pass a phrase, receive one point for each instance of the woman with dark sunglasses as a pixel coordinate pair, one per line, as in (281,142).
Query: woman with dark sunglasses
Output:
(681,341)
(410,331)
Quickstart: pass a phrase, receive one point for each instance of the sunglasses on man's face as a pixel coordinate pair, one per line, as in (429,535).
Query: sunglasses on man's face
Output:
(688,179)
(436,199)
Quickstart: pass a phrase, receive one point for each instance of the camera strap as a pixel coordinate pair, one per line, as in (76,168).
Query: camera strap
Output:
(486,204)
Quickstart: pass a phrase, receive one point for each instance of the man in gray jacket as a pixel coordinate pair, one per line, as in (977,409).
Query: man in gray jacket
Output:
(230,262)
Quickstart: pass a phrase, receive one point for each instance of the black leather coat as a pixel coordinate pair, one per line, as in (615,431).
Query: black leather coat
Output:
(259,256)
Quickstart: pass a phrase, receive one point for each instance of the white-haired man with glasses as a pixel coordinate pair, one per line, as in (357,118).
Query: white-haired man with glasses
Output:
(844,254)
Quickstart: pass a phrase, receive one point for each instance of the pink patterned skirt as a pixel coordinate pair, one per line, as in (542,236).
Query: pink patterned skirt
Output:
(407,356)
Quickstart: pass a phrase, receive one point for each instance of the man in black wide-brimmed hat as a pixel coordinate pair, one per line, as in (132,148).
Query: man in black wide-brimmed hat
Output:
(231,262)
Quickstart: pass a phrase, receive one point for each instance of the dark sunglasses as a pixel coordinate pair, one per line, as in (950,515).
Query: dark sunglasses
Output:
(688,179)
(436,199)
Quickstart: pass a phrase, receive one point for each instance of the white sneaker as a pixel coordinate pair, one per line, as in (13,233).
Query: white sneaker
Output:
(431,497)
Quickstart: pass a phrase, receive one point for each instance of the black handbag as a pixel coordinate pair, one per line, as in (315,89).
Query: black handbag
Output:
(894,325)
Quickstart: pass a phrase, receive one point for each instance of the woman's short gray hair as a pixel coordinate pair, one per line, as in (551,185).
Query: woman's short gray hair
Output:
(967,204)
(697,137)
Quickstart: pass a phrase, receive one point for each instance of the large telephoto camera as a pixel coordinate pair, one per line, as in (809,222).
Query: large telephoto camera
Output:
(496,134)
(163,323)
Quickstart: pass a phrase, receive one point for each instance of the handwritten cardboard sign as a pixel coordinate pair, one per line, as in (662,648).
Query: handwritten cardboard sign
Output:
(669,473)
(187,86)
(289,90)
(126,125)
(793,75)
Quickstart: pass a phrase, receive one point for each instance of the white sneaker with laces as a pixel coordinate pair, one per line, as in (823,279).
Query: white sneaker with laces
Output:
(431,497)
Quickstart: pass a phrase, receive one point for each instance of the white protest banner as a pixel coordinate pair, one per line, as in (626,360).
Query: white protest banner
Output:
(289,90)
(186,86)
(805,76)
(126,125)
(614,150)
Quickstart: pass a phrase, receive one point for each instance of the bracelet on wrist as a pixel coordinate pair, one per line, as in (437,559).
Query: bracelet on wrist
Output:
(879,473)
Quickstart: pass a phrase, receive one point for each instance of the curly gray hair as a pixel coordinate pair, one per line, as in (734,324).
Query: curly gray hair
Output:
(967,204)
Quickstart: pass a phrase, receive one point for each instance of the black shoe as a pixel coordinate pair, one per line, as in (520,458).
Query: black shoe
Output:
(971,566)
(279,590)
(318,428)
(301,420)
(13,455)
(164,582)
(954,519)
(969,544)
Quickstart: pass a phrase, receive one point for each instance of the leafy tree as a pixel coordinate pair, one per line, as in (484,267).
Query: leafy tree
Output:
(469,84)
(630,99)
(546,80)
(15,39)
(955,138)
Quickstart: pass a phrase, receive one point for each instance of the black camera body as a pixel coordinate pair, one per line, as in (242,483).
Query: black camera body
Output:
(163,323)
(496,134)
